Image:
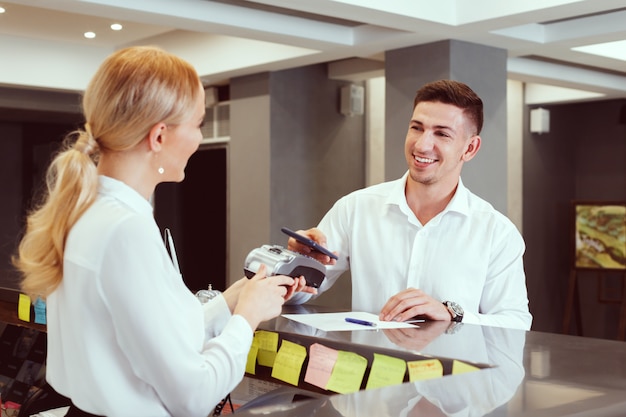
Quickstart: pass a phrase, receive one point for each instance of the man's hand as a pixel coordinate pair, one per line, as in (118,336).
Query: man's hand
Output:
(299,285)
(316,235)
(412,302)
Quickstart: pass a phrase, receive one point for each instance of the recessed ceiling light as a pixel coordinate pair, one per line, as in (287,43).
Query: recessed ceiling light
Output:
(116,26)
(90,35)
(615,50)
(2,9)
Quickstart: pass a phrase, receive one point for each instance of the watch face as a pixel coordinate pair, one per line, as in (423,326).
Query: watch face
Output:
(455,309)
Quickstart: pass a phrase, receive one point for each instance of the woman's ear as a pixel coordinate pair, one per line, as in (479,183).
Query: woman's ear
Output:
(472,148)
(156,136)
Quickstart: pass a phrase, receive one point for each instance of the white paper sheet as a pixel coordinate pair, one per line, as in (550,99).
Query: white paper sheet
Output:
(337,321)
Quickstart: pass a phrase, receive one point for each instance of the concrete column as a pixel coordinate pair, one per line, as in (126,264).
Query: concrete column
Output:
(483,68)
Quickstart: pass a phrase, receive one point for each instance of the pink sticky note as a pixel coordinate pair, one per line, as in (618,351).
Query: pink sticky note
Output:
(321,362)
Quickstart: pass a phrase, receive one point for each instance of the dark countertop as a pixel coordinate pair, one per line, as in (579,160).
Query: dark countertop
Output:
(8,314)
(524,373)
(530,373)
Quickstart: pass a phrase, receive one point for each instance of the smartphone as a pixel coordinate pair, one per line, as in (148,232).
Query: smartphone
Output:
(310,243)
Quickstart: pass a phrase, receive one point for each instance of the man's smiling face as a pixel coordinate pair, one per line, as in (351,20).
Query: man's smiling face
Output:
(437,143)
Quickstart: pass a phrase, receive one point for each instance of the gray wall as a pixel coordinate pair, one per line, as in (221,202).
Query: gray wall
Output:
(317,153)
(248,170)
(292,155)
(483,68)
(583,157)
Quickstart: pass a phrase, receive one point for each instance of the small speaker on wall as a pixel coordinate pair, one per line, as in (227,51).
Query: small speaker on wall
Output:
(210,97)
(352,100)
(540,120)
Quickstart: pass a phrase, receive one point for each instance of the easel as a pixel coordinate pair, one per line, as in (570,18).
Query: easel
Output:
(572,304)
(591,220)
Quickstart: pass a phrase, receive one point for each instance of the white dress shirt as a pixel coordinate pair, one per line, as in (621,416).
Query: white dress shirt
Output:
(125,335)
(469,253)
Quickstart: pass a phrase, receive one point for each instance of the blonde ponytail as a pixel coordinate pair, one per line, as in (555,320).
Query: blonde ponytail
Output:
(134,88)
(72,186)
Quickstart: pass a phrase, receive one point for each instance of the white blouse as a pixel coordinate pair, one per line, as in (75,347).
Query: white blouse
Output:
(125,335)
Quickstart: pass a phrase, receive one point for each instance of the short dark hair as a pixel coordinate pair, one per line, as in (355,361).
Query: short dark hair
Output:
(456,93)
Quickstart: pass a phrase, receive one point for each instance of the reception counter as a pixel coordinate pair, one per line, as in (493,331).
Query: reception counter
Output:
(504,372)
(515,373)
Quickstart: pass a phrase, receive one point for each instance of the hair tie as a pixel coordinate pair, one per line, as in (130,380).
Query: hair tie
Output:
(85,142)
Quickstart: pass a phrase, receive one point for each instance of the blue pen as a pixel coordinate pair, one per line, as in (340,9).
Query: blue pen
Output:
(361,322)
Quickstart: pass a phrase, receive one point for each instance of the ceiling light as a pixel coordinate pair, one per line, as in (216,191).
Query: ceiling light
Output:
(2,9)
(90,35)
(615,50)
(116,26)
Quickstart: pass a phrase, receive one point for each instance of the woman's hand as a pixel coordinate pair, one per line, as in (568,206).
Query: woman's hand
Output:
(261,298)
(256,299)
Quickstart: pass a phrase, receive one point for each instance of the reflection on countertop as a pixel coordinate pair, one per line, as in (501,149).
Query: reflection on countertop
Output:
(530,374)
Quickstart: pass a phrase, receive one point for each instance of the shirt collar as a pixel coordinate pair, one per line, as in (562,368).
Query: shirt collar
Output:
(459,202)
(113,188)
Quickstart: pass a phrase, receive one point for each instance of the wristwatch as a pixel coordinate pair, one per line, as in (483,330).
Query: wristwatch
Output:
(456,311)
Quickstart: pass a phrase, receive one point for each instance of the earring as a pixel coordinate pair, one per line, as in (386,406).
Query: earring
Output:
(161,170)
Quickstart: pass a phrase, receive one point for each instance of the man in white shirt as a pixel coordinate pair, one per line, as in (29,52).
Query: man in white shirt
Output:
(424,245)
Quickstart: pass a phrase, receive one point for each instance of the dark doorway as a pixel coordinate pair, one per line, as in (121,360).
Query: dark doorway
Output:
(195,212)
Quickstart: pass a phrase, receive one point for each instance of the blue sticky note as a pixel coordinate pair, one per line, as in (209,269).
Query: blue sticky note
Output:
(40,311)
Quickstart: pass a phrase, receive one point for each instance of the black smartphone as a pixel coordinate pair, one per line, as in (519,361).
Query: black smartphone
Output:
(310,243)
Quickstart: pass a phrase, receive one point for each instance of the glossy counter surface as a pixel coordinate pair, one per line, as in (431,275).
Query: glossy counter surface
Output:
(532,373)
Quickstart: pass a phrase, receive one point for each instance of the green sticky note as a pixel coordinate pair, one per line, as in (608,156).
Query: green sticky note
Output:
(386,370)
(425,369)
(288,363)
(268,345)
(347,373)
(23,307)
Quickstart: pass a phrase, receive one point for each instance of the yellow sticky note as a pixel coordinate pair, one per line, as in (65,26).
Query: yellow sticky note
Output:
(268,345)
(288,363)
(386,370)
(459,367)
(425,369)
(348,373)
(23,307)
(252,354)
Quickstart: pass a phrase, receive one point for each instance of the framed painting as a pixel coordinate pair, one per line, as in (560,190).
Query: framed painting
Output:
(600,235)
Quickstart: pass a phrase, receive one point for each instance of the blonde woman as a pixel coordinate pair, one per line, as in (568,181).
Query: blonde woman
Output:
(125,335)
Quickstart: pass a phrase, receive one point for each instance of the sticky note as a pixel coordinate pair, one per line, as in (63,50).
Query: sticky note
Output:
(252,354)
(40,311)
(386,370)
(459,367)
(424,369)
(348,373)
(321,363)
(23,307)
(288,362)
(268,346)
